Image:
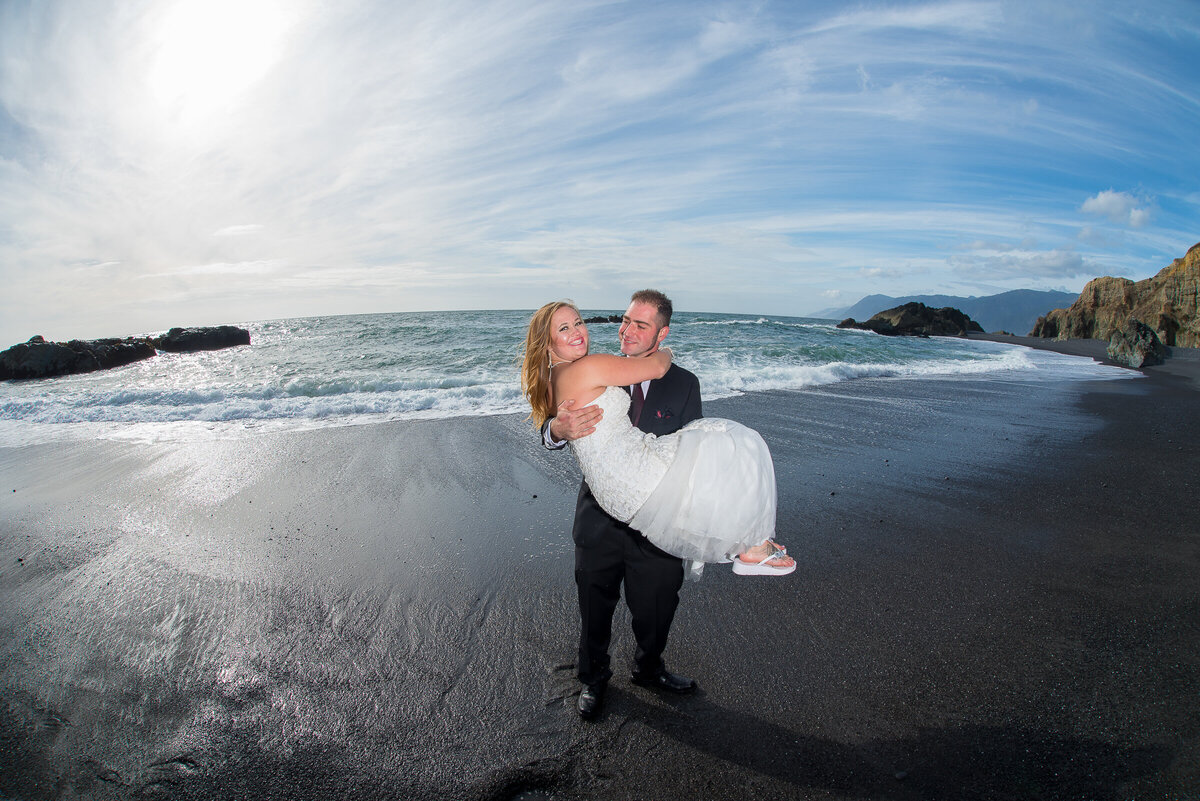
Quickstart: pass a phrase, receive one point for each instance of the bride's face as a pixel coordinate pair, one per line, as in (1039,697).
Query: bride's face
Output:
(568,336)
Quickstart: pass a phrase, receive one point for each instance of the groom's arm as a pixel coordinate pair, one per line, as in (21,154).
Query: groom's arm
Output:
(570,424)
(691,406)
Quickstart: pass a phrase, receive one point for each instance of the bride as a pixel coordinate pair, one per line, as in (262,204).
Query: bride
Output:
(705,493)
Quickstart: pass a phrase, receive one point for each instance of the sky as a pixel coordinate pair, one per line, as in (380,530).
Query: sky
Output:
(200,162)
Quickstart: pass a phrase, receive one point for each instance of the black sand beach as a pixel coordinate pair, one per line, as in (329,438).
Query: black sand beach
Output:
(997,598)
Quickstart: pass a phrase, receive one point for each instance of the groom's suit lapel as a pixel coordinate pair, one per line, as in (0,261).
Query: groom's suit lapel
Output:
(654,393)
(657,412)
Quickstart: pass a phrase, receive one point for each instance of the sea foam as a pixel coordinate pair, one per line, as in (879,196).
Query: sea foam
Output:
(325,371)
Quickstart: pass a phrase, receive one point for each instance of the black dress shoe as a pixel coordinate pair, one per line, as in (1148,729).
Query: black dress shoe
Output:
(590,699)
(665,680)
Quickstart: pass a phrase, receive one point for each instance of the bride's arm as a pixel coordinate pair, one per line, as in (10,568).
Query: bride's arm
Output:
(607,370)
(585,379)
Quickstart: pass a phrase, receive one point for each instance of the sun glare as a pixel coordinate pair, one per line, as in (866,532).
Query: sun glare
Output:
(210,52)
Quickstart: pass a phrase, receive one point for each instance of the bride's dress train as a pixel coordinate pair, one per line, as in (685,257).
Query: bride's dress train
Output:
(704,493)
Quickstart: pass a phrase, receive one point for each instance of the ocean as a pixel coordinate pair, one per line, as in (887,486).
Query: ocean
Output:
(345,370)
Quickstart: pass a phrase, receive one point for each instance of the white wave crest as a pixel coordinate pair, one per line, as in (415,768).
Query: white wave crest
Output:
(299,376)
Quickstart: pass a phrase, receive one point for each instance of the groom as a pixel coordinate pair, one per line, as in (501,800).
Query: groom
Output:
(608,551)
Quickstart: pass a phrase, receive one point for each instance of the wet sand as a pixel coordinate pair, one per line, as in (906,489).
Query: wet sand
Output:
(996,598)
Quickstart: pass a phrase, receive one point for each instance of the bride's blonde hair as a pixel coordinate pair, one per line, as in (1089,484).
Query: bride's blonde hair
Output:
(535,366)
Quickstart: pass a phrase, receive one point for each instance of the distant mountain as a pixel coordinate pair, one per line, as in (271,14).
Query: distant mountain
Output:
(1015,312)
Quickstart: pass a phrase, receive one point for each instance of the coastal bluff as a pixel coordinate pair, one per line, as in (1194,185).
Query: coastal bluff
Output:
(917,319)
(38,358)
(1106,308)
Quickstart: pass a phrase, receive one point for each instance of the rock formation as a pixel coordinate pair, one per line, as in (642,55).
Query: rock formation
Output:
(1136,345)
(38,358)
(917,319)
(1014,310)
(1167,303)
(189,340)
(612,318)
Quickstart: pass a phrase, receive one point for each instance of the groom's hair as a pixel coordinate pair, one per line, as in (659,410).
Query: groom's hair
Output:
(658,300)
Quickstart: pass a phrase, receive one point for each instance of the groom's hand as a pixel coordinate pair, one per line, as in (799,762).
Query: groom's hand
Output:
(569,423)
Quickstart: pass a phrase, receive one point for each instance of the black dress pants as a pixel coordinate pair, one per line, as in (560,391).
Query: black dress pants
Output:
(607,554)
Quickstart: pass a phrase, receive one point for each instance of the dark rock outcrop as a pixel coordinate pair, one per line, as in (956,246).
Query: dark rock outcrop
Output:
(38,358)
(917,319)
(611,318)
(1167,303)
(1136,345)
(1015,310)
(189,340)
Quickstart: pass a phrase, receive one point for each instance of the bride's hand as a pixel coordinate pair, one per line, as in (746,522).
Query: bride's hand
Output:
(668,351)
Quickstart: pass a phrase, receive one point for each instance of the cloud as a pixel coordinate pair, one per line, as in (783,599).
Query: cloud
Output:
(967,16)
(1119,207)
(225,268)
(435,154)
(1025,265)
(864,78)
(1139,217)
(238,230)
(1028,243)
(876,273)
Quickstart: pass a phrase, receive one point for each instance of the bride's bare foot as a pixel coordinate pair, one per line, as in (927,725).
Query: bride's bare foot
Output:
(763,560)
(778,554)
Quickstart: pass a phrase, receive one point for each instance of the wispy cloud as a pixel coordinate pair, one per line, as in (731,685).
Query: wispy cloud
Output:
(376,156)
(960,16)
(238,230)
(1054,264)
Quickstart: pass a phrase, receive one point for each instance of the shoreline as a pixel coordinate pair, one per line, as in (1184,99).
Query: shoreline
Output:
(995,598)
(18,432)
(1181,362)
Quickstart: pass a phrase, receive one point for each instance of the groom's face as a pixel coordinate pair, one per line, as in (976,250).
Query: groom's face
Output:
(641,330)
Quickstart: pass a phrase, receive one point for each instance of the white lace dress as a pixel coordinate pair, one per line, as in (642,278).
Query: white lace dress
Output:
(704,493)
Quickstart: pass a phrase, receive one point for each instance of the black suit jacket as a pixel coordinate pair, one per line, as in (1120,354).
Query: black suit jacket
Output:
(672,402)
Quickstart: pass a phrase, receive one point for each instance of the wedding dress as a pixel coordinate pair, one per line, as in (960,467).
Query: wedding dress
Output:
(704,493)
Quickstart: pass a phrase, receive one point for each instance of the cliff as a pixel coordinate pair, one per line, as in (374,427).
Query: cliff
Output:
(1166,303)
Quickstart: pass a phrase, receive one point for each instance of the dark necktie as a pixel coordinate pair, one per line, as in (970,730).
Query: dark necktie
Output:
(637,400)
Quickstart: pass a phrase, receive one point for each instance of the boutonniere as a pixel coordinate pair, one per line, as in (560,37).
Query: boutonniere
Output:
(664,414)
